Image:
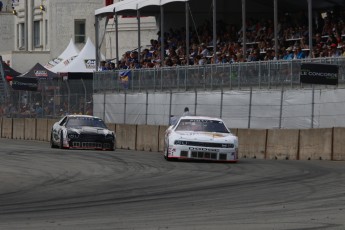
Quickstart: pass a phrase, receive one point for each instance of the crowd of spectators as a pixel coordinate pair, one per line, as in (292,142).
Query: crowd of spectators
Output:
(293,37)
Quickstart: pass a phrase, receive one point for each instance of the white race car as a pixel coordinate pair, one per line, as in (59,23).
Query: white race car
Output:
(82,132)
(200,138)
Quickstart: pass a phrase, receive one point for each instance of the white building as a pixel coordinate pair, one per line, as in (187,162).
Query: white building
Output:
(39,30)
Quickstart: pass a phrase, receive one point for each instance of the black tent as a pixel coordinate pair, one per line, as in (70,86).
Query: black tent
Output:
(9,72)
(29,80)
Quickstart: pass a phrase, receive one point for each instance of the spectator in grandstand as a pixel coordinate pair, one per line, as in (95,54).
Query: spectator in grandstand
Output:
(1,5)
(253,56)
(289,55)
(292,32)
(146,55)
(203,51)
(102,66)
(299,53)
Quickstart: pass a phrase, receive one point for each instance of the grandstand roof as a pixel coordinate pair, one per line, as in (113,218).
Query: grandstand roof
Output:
(150,6)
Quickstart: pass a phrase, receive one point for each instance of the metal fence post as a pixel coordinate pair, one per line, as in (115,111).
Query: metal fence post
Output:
(221,103)
(196,101)
(147,106)
(312,106)
(104,97)
(250,106)
(281,108)
(82,81)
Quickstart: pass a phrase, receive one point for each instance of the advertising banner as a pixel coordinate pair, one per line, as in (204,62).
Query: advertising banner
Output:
(315,73)
(25,83)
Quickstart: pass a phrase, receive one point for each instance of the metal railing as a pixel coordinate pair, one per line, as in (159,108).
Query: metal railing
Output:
(261,75)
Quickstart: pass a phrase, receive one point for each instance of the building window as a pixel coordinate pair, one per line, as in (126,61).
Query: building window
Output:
(46,33)
(79,31)
(21,36)
(37,34)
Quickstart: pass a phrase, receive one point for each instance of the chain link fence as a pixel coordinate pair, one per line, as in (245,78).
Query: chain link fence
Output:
(260,75)
(53,99)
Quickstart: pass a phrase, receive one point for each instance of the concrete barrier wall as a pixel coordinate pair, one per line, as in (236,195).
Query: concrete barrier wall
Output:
(315,144)
(293,144)
(41,129)
(252,143)
(147,138)
(0,126)
(282,144)
(338,144)
(30,129)
(126,136)
(7,126)
(18,128)
(111,127)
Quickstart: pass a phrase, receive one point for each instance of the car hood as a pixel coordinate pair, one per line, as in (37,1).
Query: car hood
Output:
(204,136)
(89,129)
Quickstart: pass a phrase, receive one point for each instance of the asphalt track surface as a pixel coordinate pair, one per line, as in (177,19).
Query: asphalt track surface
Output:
(43,188)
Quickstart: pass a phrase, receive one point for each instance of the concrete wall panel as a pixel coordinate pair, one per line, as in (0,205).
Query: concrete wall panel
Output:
(147,138)
(0,126)
(30,129)
(126,136)
(41,129)
(338,144)
(111,126)
(7,126)
(315,144)
(282,144)
(18,128)
(252,143)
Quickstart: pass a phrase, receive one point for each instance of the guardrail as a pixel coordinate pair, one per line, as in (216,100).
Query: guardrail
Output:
(280,144)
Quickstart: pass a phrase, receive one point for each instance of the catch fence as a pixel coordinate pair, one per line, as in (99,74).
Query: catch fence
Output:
(54,98)
(235,76)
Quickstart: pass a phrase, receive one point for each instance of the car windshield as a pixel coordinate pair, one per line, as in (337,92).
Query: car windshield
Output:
(85,121)
(201,125)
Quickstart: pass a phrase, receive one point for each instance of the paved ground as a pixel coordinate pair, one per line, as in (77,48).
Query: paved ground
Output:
(43,188)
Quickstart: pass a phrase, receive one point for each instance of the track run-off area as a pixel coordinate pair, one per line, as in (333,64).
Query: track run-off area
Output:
(44,188)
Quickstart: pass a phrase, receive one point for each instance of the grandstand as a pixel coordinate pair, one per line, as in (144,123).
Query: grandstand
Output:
(272,31)
(248,79)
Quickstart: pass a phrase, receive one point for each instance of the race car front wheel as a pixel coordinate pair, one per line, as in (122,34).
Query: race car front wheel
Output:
(166,155)
(61,141)
(52,145)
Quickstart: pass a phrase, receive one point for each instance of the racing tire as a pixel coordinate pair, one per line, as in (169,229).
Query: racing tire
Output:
(52,145)
(166,155)
(61,141)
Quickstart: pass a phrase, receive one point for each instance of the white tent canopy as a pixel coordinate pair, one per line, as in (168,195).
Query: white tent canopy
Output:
(85,62)
(64,58)
(132,5)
